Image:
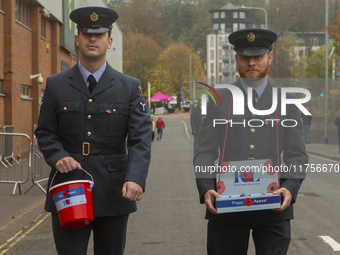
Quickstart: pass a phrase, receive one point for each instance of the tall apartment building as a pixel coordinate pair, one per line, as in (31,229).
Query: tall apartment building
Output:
(221,66)
(37,38)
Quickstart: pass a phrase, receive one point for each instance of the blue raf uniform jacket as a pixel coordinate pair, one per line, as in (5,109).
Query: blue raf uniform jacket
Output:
(244,142)
(107,131)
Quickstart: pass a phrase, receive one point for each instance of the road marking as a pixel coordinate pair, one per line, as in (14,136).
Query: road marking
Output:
(186,132)
(21,234)
(329,240)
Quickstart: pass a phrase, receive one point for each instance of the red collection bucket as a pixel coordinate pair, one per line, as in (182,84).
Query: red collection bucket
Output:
(73,201)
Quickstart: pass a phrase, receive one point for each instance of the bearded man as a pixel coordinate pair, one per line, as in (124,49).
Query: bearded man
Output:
(228,233)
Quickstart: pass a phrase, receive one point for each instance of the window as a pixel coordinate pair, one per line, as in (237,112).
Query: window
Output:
(212,68)
(215,26)
(242,26)
(211,54)
(315,41)
(242,15)
(220,41)
(222,28)
(301,53)
(220,54)
(235,15)
(25,91)
(1,81)
(0,4)
(216,15)
(222,15)
(43,27)
(220,67)
(235,27)
(22,13)
(212,43)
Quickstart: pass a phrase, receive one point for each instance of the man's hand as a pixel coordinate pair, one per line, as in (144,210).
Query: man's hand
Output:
(132,191)
(287,198)
(209,199)
(67,164)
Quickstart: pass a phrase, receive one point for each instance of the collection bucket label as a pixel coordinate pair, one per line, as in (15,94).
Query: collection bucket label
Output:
(70,197)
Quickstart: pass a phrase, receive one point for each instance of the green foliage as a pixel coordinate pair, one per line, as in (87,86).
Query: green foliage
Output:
(140,57)
(173,70)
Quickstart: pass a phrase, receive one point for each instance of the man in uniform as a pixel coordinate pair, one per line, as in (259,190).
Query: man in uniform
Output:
(94,117)
(228,233)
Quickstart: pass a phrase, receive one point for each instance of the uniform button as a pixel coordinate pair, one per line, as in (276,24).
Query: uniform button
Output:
(89,133)
(253,114)
(89,116)
(65,108)
(251,147)
(114,110)
(252,130)
(90,101)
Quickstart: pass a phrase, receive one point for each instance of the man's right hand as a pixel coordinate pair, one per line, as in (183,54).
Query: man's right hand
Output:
(67,164)
(209,199)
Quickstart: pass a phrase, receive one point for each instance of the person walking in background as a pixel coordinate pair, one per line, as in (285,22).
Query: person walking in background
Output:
(166,108)
(95,118)
(307,120)
(195,121)
(160,125)
(337,123)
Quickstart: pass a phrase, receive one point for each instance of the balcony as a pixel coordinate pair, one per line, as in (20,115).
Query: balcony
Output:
(225,59)
(225,71)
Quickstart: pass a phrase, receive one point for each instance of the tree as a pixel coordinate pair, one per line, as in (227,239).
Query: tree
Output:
(283,57)
(144,17)
(173,71)
(140,55)
(335,33)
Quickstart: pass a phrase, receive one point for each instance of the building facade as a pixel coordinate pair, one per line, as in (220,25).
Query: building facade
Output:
(37,39)
(221,67)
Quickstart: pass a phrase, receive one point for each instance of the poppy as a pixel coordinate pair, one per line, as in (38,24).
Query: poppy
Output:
(246,175)
(272,187)
(221,187)
(248,202)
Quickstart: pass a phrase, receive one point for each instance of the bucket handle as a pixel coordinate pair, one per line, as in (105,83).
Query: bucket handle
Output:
(91,186)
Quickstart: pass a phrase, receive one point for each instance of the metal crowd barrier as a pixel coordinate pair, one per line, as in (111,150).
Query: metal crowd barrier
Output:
(40,169)
(15,156)
(21,161)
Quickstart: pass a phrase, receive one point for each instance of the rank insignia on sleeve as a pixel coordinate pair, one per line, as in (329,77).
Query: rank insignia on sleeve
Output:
(142,106)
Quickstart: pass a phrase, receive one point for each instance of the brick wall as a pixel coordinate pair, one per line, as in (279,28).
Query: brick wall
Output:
(26,53)
(2,99)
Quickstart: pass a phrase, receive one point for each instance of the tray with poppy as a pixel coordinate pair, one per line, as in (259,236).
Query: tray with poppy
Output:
(247,186)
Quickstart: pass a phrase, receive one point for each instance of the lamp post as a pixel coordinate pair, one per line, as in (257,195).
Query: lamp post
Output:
(262,9)
(326,74)
(192,98)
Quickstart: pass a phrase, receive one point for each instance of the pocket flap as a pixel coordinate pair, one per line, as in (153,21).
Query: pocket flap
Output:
(114,108)
(68,106)
(117,162)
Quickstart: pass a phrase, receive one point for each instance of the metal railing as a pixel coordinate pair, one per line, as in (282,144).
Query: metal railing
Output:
(21,161)
(15,157)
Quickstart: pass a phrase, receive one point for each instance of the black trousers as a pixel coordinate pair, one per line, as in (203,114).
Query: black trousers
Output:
(109,236)
(271,238)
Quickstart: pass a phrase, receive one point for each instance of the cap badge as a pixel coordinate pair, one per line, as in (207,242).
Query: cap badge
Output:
(94,16)
(251,37)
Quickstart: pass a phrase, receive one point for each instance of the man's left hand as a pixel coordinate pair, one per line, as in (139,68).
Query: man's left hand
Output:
(287,198)
(132,191)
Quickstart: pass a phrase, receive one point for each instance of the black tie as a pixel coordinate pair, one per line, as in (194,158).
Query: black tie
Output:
(254,97)
(92,81)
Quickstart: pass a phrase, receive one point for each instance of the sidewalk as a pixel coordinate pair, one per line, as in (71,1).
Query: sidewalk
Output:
(330,151)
